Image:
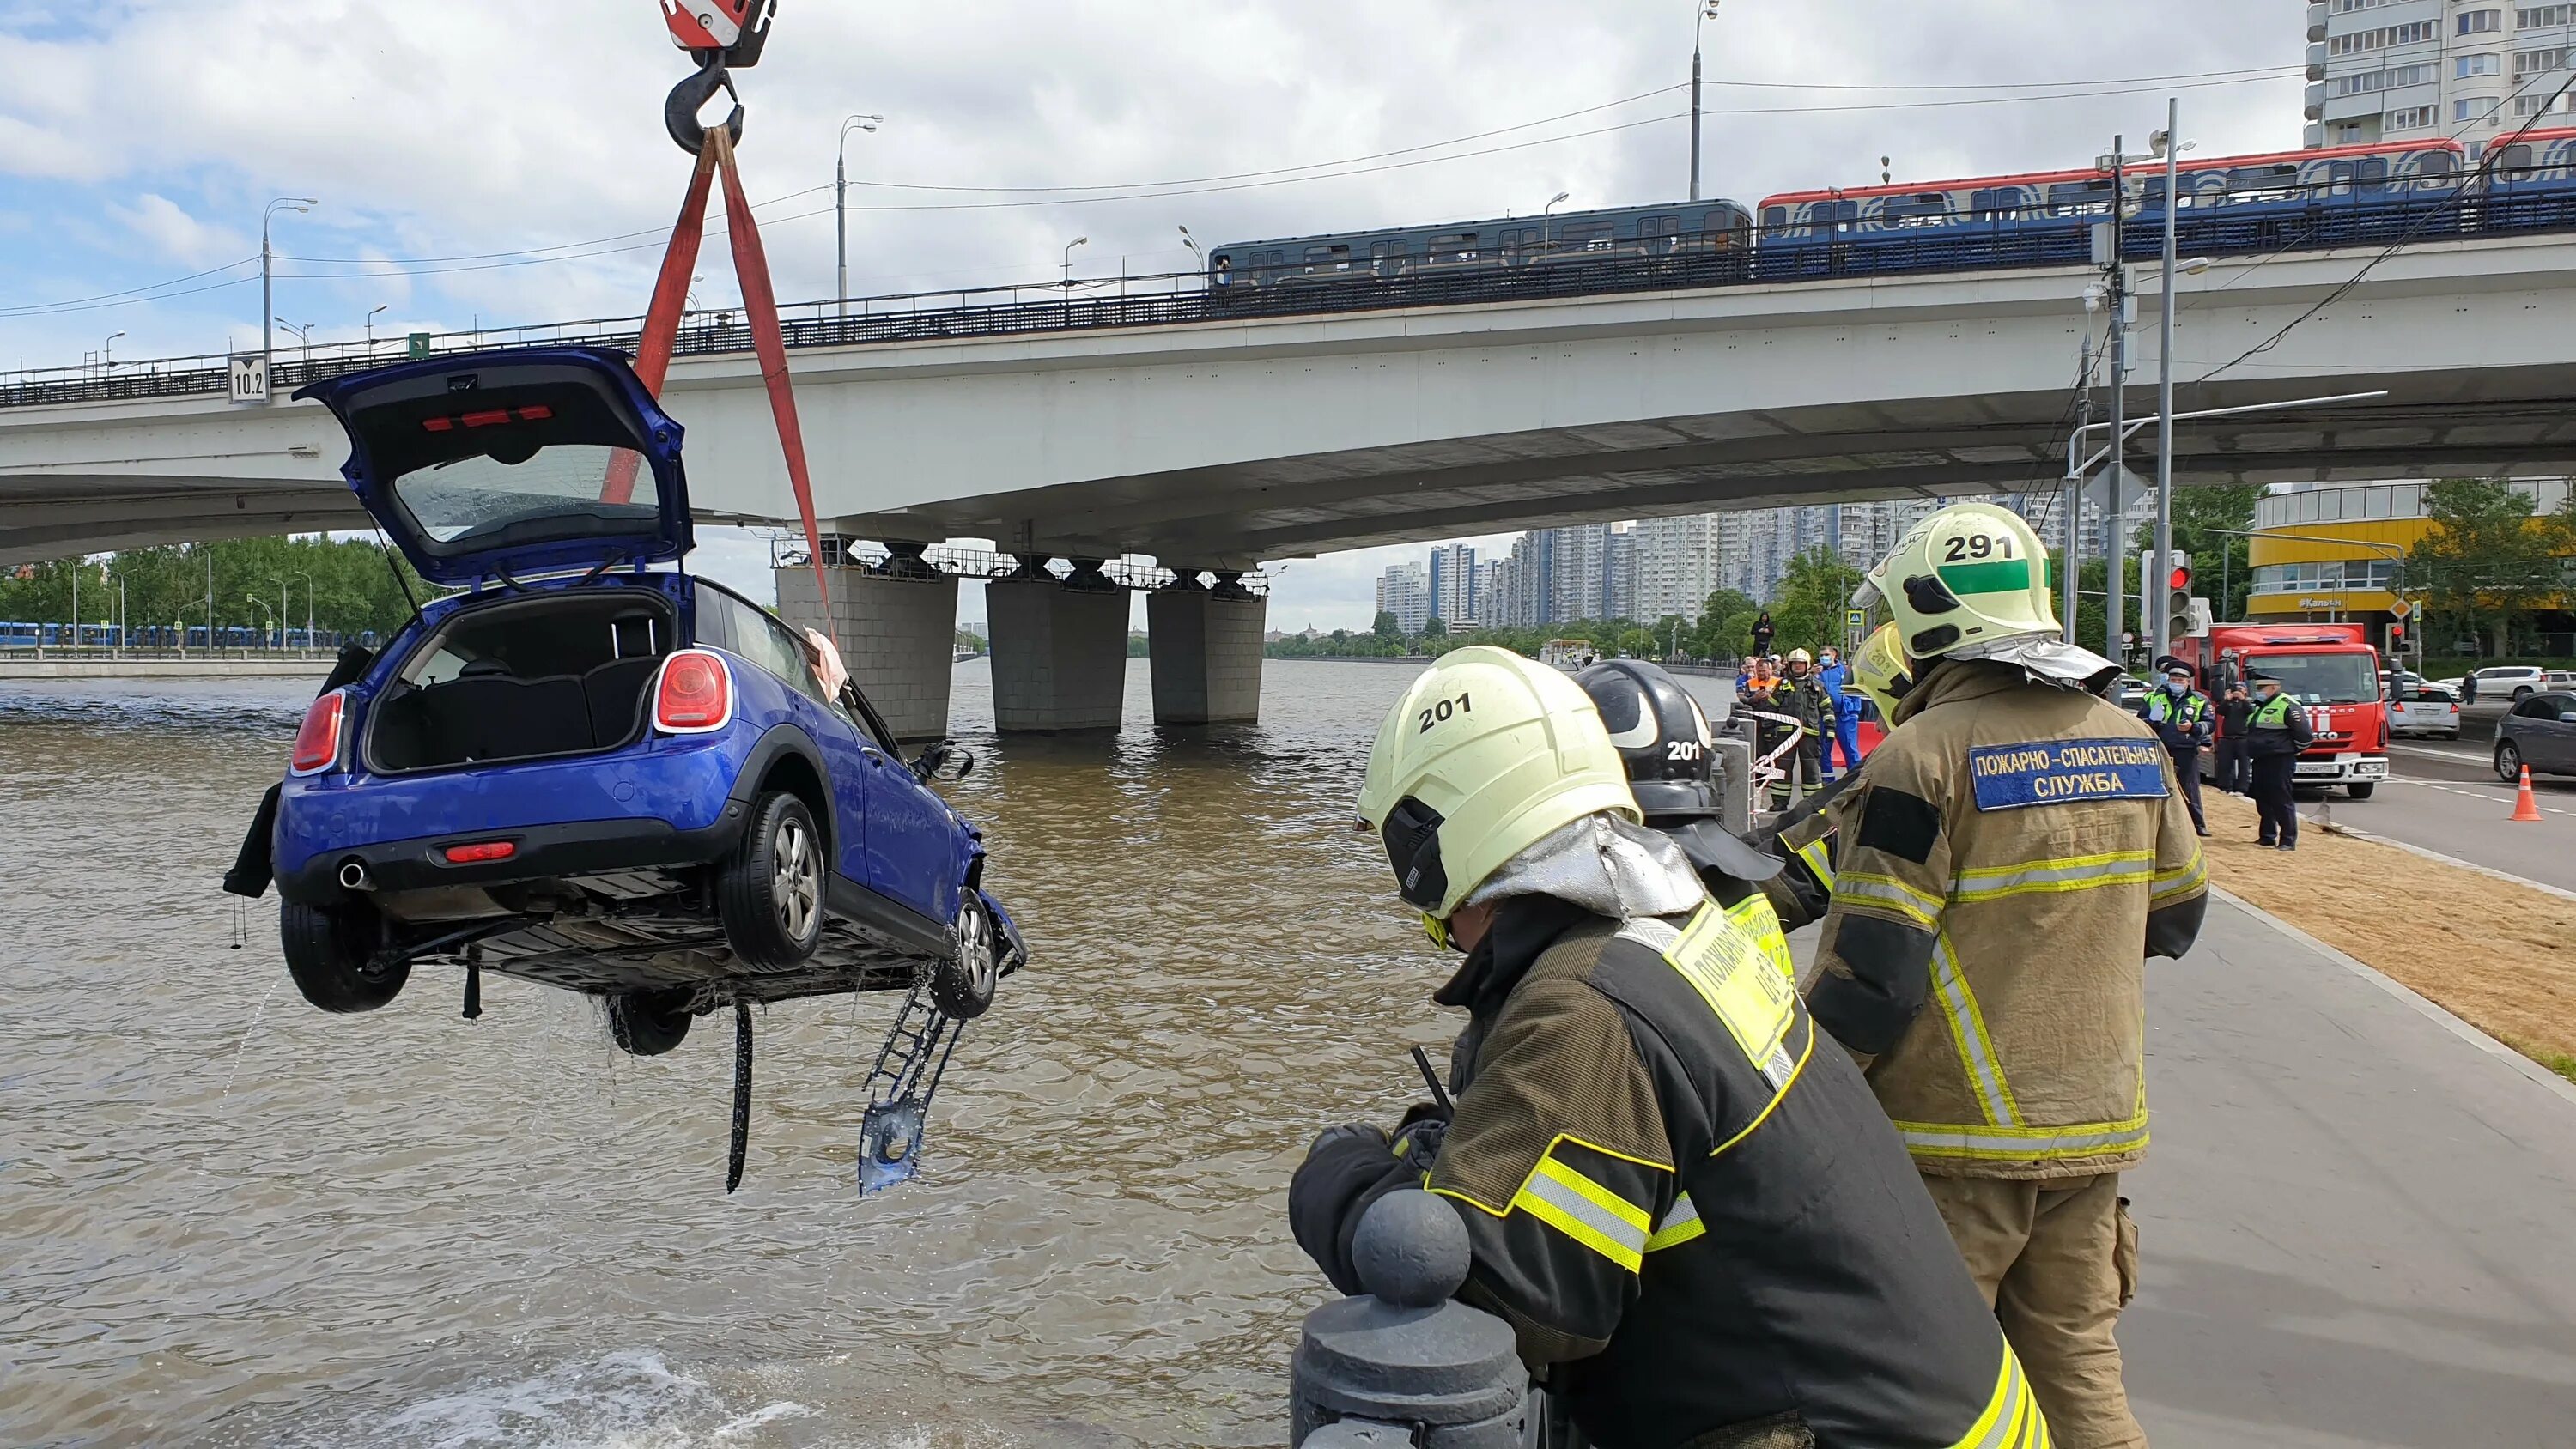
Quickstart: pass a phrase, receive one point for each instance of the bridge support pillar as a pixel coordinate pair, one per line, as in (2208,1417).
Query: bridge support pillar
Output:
(1059,649)
(897,629)
(1206,648)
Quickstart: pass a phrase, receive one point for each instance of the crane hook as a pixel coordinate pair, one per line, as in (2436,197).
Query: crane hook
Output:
(680,110)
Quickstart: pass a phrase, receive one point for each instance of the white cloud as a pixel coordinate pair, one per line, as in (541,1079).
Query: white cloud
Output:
(175,234)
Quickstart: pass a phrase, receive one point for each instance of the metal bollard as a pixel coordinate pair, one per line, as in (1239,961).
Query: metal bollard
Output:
(1733,767)
(1407,1365)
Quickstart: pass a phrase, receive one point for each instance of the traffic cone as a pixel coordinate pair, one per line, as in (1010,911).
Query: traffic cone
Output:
(2524,806)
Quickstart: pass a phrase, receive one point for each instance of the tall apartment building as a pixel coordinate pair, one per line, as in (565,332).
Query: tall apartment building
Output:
(2395,70)
(1404,590)
(1677,565)
(1453,584)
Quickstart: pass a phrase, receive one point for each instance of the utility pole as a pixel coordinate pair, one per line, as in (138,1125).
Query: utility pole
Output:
(841,201)
(2115,547)
(1705,12)
(2152,593)
(267,334)
(2071,562)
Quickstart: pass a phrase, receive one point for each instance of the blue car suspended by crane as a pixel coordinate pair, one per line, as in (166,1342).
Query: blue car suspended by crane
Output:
(590,769)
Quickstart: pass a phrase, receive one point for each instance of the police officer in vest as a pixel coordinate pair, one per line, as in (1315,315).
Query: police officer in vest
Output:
(2013,854)
(2181,717)
(1682,1200)
(2275,734)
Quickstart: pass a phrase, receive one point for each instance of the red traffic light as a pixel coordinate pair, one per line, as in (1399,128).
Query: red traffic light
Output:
(2180,579)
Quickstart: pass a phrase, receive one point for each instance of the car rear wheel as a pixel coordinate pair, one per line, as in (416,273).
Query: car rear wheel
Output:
(649,1023)
(330,953)
(962,986)
(2508,762)
(769,892)
(2361,792)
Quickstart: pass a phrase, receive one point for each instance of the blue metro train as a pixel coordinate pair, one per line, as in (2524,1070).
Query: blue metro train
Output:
(2340,196)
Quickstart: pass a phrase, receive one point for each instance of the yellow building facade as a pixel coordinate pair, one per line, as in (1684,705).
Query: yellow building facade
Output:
(2330,552)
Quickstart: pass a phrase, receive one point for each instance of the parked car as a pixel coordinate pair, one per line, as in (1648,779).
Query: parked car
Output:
(2424,709)
(2540,731)
(589,771)
(2506,682)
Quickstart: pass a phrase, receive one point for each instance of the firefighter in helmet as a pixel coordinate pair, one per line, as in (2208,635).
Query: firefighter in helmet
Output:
(2014,852)
(1681,1201)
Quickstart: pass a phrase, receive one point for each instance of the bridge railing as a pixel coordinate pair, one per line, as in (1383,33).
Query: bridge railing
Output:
(1177,298)
(789,551)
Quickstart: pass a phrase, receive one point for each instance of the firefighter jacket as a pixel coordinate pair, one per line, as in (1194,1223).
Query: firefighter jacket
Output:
(1695,1220)
(2011,857)
(1803,699)
(2278,726)
(2183,724)
(1803,841)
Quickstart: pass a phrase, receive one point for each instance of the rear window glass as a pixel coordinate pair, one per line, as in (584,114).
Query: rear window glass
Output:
(466,502)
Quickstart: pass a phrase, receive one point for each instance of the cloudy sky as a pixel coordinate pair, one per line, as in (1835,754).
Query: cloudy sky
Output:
(488,162)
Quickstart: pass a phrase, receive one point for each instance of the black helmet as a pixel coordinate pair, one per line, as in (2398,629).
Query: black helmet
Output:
(1662,736)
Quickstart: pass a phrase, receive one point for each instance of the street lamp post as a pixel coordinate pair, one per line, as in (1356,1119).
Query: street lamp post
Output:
(2170,142)
(1196,252)
(308,608)
(267,305)
(371,324)
(303,335)
(1547,223)
(107,354)
(1703,13)
(1068,263)
(265,624)
(841,200)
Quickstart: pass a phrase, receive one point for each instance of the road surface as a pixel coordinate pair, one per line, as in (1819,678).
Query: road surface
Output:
(2446,798)
(2355,1223)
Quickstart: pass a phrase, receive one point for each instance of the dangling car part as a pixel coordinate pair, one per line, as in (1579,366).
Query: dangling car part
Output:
(588,772)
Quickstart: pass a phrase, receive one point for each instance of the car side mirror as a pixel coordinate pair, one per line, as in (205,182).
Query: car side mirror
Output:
(2567,716)
(944,761)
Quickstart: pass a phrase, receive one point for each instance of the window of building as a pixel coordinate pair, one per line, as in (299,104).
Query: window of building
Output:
(2465,66)
(2532,105)
(2481,22)
(2541,17)
(2527,62)
(2412,118)
(2475,108)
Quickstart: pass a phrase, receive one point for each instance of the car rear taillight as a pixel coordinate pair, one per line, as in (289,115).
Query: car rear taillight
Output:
(317,742)
(481,850)
(695,695)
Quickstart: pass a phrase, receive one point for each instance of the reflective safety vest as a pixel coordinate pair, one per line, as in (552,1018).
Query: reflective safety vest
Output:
(2271,714)
(2192,711)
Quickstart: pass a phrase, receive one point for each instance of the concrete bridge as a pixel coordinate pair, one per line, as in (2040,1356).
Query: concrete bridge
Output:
(1219,444)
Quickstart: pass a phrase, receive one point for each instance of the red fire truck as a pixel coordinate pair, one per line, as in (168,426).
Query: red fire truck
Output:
(2329,668)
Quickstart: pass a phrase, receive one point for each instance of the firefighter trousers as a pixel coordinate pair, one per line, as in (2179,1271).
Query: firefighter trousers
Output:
(2058,1259)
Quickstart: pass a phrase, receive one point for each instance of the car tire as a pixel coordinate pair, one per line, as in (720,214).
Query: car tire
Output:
(962,986)
(2361,792)
(769,892)
(2521,693)
(649,1023)
(329,952)
(2508,762)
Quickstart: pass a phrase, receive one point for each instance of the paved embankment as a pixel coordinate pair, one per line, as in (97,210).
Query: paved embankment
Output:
(2358,1217)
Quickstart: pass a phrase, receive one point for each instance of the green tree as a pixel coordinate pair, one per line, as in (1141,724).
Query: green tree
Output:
(1636,643)
(1813,597)
(1386,627)
(1435,628)
(2210,524)
(343,585)
(2485,563)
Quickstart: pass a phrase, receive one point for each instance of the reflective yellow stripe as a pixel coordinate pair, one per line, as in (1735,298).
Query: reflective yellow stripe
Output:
(2069,873)
(2182,880)
(2024,1144)
(1678,1227)
(1736,973)
(1585,1211)
(2011,1419)
(1886,890)
(1820,862)
(1968,1033)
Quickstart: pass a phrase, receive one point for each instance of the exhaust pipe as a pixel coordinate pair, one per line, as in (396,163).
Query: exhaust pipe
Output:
(353,876)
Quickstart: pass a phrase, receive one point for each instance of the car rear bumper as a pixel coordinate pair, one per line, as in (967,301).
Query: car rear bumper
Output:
(539,852)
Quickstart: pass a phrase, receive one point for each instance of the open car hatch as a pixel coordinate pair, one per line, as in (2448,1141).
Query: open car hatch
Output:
(513,461)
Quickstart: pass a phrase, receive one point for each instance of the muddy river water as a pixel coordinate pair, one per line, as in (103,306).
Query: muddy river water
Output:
(226,1218)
